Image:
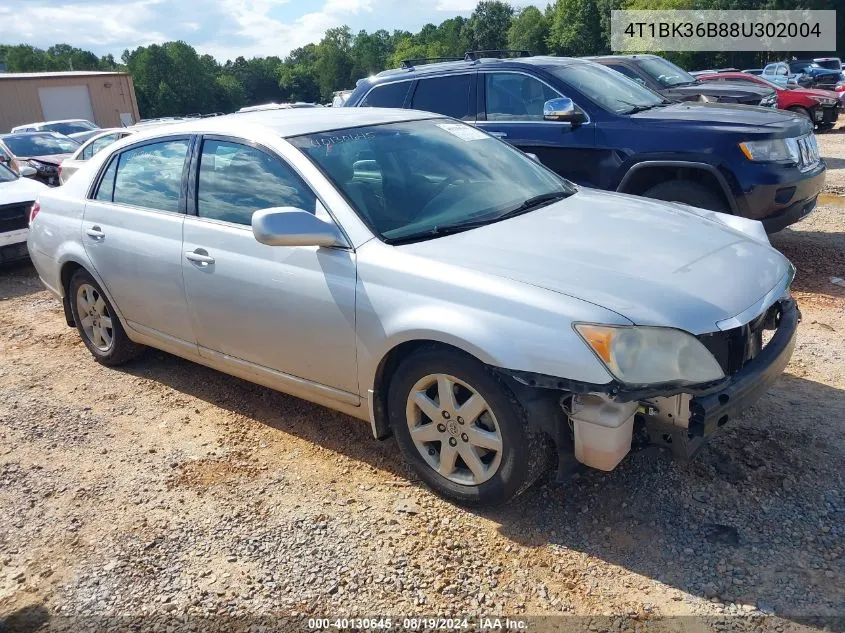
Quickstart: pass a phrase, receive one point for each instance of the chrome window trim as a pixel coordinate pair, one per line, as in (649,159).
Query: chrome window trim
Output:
(491,71)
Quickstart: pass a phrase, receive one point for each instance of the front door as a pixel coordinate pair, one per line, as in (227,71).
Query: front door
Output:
(514,110)
(286,308)
(132,231)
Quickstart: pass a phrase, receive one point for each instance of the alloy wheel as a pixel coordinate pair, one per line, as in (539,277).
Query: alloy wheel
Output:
(95,318)
(454,429)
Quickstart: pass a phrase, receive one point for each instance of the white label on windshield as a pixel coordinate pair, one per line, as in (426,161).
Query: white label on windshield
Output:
(465,132)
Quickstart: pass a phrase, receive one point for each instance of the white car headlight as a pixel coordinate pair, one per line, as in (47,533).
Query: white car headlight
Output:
(641,355)
(778,149)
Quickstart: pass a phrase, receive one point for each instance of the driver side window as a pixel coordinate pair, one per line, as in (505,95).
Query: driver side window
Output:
(516,97)
(237,180)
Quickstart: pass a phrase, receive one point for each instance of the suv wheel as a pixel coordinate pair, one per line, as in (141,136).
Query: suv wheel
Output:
(687,192)
(462,430)
(98,325)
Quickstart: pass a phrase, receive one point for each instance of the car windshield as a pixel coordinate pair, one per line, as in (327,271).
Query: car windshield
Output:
(39,144)
(422,179)
(665,72)
(6,174)
(69,127)
(607,88)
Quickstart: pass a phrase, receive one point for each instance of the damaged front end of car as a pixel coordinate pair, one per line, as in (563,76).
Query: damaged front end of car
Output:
(596,425)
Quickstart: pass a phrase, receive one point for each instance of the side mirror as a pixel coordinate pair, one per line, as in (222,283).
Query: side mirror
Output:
(562,109)
(27,171)
(289,226)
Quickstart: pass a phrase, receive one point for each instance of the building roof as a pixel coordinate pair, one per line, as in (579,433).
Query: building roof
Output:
(70,73)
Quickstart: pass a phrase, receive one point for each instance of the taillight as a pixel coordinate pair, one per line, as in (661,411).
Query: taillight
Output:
(36,207)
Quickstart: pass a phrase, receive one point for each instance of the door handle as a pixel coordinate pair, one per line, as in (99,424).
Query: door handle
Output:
(199,256)
(95,232)
(498,134)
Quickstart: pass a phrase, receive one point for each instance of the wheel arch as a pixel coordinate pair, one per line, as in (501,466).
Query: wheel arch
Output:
(68,265)
(644,175)
(387,365)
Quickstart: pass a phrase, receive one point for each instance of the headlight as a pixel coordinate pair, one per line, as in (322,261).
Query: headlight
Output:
(779,149)
(769,101)
(651,355)
(826,102)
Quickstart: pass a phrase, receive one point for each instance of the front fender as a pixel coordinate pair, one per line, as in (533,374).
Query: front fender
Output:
(505,324)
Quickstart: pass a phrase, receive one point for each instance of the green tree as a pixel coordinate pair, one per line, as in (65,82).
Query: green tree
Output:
(334,61)
(488,25)
(229,94)
(370,52)
(529,31)
(575,28)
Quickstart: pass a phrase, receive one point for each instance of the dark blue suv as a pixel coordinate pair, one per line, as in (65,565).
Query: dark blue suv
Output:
(600,129)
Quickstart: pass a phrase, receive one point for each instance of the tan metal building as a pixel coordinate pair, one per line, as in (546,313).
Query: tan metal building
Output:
(106,98)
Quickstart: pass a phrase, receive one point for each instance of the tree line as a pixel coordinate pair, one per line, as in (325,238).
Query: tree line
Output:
(174,79)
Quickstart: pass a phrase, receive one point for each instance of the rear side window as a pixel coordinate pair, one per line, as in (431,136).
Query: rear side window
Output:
(237,180)
(387,96)
(148,176)
(445,95)
(106,188)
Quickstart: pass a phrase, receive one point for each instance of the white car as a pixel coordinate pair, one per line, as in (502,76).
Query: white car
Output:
(17,196)
(413,271)
(108,136)
(78,129)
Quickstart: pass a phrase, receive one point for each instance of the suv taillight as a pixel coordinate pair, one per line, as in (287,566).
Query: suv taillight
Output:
(34,211)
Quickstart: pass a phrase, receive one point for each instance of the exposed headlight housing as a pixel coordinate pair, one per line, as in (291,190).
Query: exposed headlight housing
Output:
(778,149)
(769,102)
(644,355)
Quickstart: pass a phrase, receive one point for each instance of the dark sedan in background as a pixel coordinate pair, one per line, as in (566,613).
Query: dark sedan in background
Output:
(673,82)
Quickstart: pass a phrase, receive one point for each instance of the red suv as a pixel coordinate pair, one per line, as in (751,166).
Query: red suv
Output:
(820,106)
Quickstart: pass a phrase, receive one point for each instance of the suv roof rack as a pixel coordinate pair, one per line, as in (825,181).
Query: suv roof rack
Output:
(471,56)
(415,61)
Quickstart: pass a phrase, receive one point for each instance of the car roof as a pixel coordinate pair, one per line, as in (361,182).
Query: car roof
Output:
(28,134)
(474,64)
(291,122)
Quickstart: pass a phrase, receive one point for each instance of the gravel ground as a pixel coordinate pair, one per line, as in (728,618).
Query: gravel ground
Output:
(832,148)
(184,498)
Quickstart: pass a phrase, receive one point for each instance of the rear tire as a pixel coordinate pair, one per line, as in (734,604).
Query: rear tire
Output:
(688,192)
(97,322)
(486,459)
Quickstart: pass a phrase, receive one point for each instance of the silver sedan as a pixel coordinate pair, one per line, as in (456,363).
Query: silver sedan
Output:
(414,272)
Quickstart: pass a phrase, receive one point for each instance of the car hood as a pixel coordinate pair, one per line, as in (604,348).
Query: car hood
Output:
(814,92)
(722,90)
(20,190)
(52,159)
(654,263)
(726,116)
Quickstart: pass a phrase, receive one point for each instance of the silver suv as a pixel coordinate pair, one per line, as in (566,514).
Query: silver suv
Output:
(417,273)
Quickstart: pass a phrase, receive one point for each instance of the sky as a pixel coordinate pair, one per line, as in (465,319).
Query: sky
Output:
(223,28)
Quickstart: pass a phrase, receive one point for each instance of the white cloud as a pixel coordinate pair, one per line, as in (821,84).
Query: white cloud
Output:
(224,28)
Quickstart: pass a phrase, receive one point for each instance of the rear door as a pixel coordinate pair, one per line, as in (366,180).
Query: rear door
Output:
(513,110)
(286,308)
(132,231)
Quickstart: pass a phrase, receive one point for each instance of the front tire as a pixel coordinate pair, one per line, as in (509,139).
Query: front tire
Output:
(462,430)
(97,322)
(687,192)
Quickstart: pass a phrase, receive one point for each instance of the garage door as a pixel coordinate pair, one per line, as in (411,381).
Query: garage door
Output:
(66,102)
